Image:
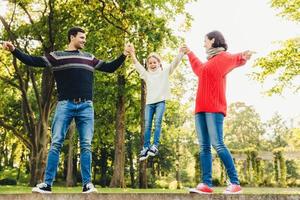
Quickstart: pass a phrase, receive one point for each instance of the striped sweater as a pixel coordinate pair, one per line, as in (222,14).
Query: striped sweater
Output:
(73,70)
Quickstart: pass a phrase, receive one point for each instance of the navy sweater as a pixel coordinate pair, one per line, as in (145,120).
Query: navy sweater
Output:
(73,70)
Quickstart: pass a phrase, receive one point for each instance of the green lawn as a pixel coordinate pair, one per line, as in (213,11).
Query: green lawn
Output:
(218,190)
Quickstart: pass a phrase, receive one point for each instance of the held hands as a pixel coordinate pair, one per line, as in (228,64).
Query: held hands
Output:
(184,49)
(129,49)
(8,46)
(247,54)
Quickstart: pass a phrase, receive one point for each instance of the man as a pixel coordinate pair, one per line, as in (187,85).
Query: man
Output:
(73,73)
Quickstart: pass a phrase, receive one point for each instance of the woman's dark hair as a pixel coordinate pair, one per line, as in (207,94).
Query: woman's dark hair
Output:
(73,31)
(219,39)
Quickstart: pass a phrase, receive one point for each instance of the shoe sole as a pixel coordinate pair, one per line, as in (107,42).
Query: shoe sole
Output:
(151,154)
(193,190)
(40,191)
(92,191)
(143,158)
(239,192)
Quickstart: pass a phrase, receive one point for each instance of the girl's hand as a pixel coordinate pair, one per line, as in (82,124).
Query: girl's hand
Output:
(184,49)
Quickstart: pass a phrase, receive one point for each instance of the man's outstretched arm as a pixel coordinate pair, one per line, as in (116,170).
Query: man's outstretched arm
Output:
(35,61)
(115,64)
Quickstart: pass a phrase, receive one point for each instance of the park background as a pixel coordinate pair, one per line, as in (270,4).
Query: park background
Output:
(262,128)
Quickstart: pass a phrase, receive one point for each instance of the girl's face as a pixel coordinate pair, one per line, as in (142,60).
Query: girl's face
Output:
(153,64)
(208,43)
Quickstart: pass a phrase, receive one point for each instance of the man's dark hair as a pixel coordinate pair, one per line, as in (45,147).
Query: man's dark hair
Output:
(219,39)
(73,31)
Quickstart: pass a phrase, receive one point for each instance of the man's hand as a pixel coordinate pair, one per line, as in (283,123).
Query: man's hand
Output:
(8,46)
(128,49)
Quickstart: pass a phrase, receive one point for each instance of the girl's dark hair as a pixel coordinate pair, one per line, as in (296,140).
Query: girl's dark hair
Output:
(73,31)
(219,39)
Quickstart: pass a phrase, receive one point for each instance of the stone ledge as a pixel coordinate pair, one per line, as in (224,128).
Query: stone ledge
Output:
(147,196)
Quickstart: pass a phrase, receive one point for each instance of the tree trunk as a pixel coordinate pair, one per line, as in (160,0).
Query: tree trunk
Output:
(39,135)
(130,159)
(103,167)
(70,174)
(119,158)
(143,165)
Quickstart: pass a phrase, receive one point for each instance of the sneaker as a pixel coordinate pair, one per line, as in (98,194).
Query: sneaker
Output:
(89,188)
(153,151)
(144,154)
(201,189)
(42,188)
(233,189)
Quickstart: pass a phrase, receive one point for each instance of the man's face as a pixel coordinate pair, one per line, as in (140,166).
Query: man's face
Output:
(79,40)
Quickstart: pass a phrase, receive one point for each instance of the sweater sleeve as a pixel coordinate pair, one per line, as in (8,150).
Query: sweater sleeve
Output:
(195,63)
(35,61)
(109,67)
(234,61)
(175,62)
(140,69)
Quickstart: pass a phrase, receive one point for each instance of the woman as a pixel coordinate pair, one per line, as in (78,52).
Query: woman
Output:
(211,108)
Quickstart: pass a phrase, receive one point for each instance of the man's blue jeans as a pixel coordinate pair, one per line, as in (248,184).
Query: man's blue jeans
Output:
(83,113)
(158,109)
(209,127)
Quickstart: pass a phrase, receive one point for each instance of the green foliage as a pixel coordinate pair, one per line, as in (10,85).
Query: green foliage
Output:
(288,8)
(283,65)
(243,127)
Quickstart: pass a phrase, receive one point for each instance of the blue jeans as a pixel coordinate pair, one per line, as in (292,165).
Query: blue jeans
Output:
(83,113)
(209,127)
(158,109)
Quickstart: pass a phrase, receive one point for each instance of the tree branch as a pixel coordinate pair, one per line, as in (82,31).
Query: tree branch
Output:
(109,21)
(15,132)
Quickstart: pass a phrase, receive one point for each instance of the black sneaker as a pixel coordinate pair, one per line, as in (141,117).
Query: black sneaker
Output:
(144,154)
(89,188)
(153,150)
(42,188)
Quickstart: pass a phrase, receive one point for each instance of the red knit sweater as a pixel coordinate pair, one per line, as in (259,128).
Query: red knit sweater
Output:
(212,80)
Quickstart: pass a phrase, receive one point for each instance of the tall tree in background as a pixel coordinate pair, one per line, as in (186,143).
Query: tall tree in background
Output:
(243,127)
(282,64)
(35,99)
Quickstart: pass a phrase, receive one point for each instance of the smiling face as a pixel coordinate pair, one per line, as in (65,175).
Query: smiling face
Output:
(79,40)
(153,63)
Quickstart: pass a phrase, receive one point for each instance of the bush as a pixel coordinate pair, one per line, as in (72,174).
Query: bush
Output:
(8,181)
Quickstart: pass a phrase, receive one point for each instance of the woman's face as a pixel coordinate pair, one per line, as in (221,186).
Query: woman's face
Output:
(208,43)
(153,63)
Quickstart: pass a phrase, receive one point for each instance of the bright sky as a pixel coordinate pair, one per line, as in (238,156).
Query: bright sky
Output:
(252,25)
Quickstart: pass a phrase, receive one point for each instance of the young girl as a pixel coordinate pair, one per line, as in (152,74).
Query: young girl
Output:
(211,107)
(156,78)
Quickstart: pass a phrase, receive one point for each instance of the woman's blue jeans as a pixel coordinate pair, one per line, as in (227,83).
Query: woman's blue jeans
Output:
(209,127)
(158,109)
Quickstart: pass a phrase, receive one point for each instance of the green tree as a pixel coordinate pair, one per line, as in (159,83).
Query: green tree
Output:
(243,127)
(283,64)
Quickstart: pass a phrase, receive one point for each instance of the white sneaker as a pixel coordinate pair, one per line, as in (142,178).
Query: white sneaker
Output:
(153,150)
(89,188)
(42,188)
(144,154)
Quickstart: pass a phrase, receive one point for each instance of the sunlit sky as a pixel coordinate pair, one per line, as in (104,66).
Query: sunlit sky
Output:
(246,24)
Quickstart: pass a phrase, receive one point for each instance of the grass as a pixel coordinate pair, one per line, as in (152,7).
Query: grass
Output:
(217,190)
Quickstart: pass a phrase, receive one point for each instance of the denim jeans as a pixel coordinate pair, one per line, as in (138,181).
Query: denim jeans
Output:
(158,109)
(209,127)
(83,113)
